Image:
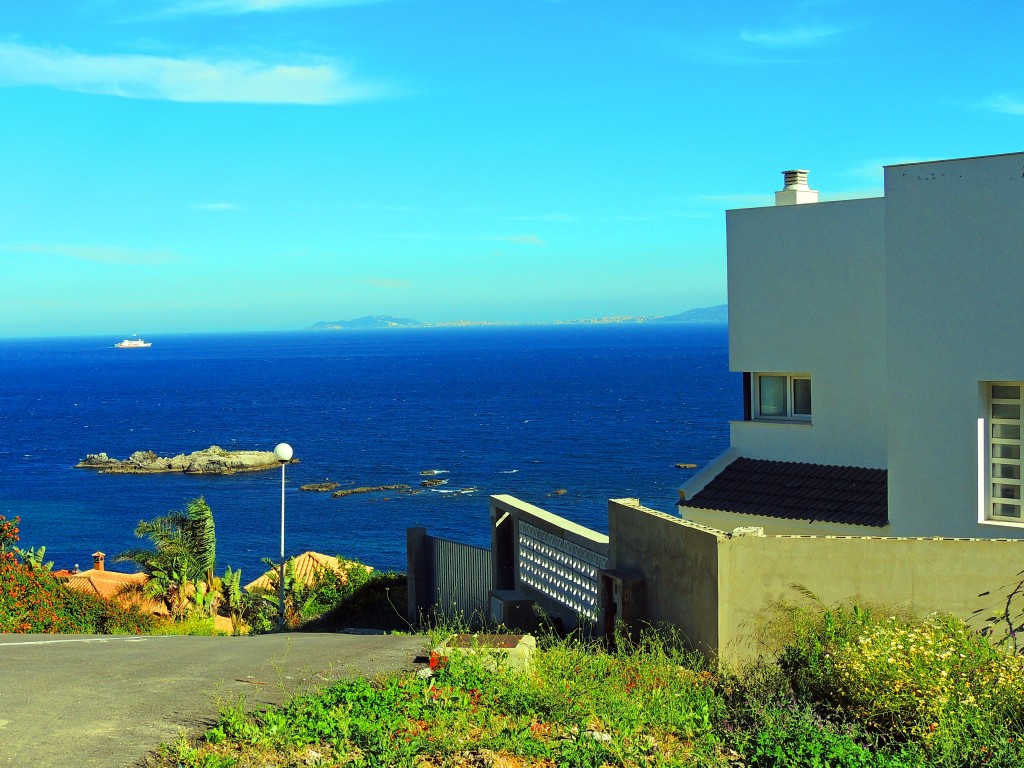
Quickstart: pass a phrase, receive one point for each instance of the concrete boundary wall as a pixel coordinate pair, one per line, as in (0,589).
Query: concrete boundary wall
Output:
(714,586)
(678,562)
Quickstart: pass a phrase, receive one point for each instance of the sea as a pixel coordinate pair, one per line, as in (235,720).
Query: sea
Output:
(564,417)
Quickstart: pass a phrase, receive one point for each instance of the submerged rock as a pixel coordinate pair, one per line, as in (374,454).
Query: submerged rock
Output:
(209,461)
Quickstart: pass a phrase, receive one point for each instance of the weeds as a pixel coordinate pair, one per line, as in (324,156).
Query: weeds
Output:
(849,686)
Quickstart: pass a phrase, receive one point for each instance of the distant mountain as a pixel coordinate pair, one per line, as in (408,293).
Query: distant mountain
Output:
(370,321)
(708,315)
(717,314)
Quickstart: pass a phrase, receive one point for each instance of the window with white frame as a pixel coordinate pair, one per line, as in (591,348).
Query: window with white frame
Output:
(1003,439)
(785,396)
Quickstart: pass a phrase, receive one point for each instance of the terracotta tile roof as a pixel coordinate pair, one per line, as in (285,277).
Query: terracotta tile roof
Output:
(307,566)
(797,491)
(103,583)
(108,584)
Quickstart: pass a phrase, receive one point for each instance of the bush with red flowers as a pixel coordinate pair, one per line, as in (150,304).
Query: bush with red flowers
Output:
(33,600)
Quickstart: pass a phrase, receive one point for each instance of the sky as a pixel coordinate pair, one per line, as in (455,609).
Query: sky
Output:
(177,166)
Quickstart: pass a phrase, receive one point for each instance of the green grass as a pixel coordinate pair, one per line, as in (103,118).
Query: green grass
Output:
(849,688)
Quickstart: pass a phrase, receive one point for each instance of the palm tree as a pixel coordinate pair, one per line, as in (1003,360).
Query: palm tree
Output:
(183,555)
(235,599)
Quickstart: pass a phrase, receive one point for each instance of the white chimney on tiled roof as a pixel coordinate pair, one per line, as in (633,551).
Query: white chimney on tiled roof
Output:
(795,191)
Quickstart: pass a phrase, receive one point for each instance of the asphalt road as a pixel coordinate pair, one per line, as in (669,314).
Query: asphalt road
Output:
(109,702)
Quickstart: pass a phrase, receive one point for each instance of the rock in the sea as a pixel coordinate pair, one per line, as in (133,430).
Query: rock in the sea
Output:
(559,492)
(686,466)
(368,489)
(209,461)
(433,482)
(322,487)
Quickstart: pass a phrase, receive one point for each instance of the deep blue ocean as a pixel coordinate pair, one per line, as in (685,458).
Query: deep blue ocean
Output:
(602,411)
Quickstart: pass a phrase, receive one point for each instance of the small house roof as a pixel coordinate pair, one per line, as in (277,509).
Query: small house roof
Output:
(798,491)
(307,566)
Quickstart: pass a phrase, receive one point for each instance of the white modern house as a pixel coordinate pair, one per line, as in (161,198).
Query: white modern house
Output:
(882,347)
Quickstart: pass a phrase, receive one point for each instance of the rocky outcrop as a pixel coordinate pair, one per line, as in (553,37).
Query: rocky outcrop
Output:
(209,461)
(321,487)
(369,489)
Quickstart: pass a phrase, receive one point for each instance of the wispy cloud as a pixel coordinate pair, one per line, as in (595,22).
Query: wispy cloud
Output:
(318,81)
(100,253)
(726,57)
(873,169)
(795,37)
(240,7)
(552,218)
(528,239)
(513,239)
(1005,103)
(216,207)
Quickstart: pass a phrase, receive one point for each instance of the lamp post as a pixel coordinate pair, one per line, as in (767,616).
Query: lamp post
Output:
(283,453)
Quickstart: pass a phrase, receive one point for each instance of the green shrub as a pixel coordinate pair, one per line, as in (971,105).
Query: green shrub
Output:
(797,738)
(930,684)
(371,600)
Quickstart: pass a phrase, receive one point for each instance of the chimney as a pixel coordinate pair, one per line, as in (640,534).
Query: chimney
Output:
(795,190)
(97,560)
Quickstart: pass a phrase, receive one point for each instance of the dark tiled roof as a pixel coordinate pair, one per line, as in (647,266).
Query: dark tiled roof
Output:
(795,491)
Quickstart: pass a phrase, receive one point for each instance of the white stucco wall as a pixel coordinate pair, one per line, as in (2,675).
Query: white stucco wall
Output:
(955,295)
(807,295)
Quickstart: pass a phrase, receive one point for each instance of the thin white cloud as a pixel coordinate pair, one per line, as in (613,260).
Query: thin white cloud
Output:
(796,37)
(216,207)
(527,239)
(513,239)
(554,218)
(100,253)
(1005,103)
(186,80)
(873,170)
(240,7)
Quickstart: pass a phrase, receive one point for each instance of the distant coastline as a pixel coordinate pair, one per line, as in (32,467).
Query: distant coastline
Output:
(716,315)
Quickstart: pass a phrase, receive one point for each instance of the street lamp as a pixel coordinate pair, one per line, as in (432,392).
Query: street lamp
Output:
(283,453)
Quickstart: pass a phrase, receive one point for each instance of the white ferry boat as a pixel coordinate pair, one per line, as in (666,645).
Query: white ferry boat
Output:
(133,344)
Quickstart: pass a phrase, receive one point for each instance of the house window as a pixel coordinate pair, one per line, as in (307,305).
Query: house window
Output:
(1004,454)
(784,396)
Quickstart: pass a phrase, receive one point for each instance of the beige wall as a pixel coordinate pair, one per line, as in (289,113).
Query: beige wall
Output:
(714,586)
(678,563)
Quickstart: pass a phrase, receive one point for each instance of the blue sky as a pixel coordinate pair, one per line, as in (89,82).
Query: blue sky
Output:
(222,165)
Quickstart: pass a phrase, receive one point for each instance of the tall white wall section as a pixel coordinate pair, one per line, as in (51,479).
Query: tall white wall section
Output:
(807,295)
(955,294)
